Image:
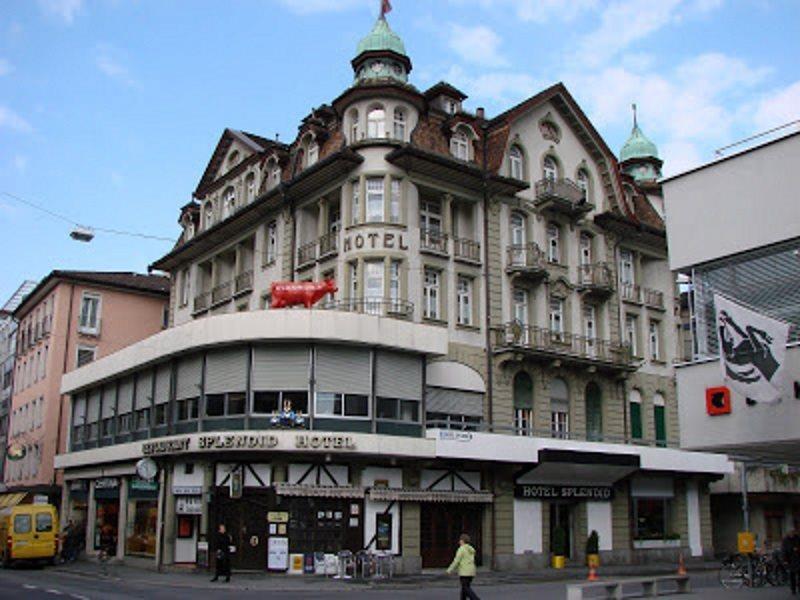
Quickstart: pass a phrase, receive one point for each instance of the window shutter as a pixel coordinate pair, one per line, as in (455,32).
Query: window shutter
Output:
(78,409)
(93,406)
(454,402)
(661,424)
(190,374)
(276,369)
(144,389)
(226,370)
(399,375)
(109,400)
(342,369)
(125,396)
(163,376)
(636,420)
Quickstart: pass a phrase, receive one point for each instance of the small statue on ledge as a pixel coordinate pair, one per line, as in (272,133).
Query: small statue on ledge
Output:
(288,418)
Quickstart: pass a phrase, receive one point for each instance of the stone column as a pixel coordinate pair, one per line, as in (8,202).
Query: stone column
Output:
(322,219)
(362,199)
(91,519)
(208,483)
(122,516)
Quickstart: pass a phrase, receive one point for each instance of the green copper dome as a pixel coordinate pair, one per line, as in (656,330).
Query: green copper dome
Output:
(381,38)
(638,146)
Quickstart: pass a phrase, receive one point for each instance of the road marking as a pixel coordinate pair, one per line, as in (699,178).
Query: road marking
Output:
(28,586)
(56,592)
(79,597)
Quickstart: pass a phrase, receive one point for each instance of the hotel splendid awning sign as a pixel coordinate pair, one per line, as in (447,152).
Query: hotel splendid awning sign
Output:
(248,441)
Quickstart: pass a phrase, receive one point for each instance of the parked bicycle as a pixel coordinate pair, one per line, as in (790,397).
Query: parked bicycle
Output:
(753,570)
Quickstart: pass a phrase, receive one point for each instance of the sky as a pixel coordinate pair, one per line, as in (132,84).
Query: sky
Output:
(110,109)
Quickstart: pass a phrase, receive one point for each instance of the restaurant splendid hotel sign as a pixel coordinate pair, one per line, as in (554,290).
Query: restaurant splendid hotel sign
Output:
(247,441)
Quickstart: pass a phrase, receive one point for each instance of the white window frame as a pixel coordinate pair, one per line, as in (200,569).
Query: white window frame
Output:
(355,203)
(431,294)
(559,424)
(85,348)
(271,242)
(627,272)
(228,202)
(553,243)
(464,300)
(654,338)
(519,305)
(394,201)
(582,179)
(394,283)
(516,163)
(250,187)
(376,125)
(373,285)
(312,153)
(585,241)
(375,200)
(342,415)
(399,124)
(430,216)
(549,168)
(556,314)
(459,144)
(354,125)
(185,282)
(632,333)
(90,328)
(590,328)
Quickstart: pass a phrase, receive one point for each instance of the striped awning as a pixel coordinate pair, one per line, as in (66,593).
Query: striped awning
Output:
(319,491)
(12,499)
(416,495)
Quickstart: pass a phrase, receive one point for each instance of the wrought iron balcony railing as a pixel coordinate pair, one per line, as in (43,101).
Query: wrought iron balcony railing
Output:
(329,244)
(597,279)
(306,254)
(526,259)
(653,298)
(244,282)
(630,292)
(561,195)
(221,293)
(433,240)
(468,250)
(383,307)
(202,301)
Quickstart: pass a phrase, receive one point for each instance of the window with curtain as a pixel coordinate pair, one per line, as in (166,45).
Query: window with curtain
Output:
(583,182)
(515,163)
(523,404)
(553,243)
(399,124)
(375,199)
(550,168)
(464,300)
(559,408)
(430,295)
(459,144)
(376,123)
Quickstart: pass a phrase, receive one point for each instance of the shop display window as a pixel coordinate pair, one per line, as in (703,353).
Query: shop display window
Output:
(141,527)
(106,522)
(651,518)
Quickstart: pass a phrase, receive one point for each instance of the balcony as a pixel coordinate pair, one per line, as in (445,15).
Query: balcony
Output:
(653,298)
(329,245)
(561,196)
(306,254)
(562,347)
(526,261)
(221,293)
(630,292)
(596,280)
(202,301)
(382,307)
(466,250)
(433,241)
(244,282)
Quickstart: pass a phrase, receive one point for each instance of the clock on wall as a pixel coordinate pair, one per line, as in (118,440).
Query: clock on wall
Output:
(147,469)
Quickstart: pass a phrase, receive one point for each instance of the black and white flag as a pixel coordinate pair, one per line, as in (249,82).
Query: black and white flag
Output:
(752,350)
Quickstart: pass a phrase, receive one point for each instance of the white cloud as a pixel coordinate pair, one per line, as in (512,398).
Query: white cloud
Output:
(108,62)
(309,7)
(779,107)
(478,45)
(65,10)
(5,67)
(679,156)
(536,11)
(500,88)
(11,120)
(20,163)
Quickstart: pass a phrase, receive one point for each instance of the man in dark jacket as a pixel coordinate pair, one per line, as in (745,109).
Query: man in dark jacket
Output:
(222,542)
(791,554)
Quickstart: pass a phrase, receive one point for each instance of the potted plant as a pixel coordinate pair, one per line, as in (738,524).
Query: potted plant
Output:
(593,550)
(559,548)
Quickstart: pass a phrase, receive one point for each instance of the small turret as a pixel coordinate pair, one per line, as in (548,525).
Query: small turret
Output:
(639,156)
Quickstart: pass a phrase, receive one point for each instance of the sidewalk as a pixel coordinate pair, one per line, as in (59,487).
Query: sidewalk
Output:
(178,578)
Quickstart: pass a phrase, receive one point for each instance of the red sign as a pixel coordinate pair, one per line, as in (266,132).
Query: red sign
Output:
(307,293)
(718,401)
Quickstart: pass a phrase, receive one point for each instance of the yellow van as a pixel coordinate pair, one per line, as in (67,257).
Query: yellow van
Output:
(28,532)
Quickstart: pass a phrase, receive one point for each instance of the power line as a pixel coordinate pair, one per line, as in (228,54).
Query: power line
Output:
(76,224)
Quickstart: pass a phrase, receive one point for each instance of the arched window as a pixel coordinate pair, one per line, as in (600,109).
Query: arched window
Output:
(559,408)
(594,412)
(228,202)
(550,168)
(459,143)
(660,419)
(399,124)
(583,182)
(189,229)
(515,163)
(553,243)
(273,173)
(209,214)
(312,154)
(354,126)
(635,406)
(250,187)
(517,252)
(523,404)
(376,123)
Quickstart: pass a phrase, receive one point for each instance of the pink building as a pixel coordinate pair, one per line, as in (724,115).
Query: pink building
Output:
(70,319)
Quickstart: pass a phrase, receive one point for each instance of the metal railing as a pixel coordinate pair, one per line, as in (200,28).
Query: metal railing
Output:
(518,335)
(528,256)
(467,249)
(433,240)
(383,307)
(244,282)
(202,301)
(630,292)
(221,293)
(329,244)
(653,298)
(596,275)
(306,253)
(559,189)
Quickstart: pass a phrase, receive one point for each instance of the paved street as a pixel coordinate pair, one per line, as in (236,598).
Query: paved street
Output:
(34,584)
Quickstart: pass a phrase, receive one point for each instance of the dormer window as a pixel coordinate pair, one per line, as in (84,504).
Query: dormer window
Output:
(515,163)
(399,124)
(250,187)
(550,168)
(273,173)
(583,182)
(189,229)
(460,143)
(312,156)
(376,123)
(228,202)
(209,214)
(450,106)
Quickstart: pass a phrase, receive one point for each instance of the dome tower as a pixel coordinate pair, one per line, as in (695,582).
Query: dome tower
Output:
(639,156)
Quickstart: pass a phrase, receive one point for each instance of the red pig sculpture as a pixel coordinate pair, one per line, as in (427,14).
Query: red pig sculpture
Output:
(307,293)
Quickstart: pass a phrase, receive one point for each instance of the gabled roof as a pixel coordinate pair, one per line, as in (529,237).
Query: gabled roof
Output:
(126,280)
(444,89)
(256,143)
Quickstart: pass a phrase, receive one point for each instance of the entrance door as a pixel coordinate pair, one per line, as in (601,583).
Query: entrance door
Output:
(561,516)
(440,526)
(245,520)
